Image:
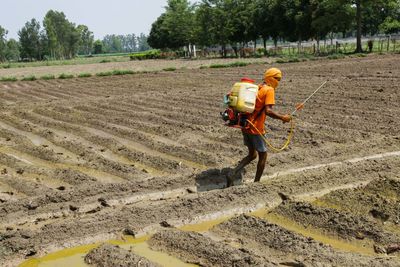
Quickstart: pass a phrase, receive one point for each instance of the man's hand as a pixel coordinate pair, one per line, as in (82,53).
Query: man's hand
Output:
(286,118)
(299,106)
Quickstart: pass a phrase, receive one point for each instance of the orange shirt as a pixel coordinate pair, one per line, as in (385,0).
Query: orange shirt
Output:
(265,96)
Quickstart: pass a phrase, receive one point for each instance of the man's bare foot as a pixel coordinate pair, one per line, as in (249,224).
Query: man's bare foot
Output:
(230,178)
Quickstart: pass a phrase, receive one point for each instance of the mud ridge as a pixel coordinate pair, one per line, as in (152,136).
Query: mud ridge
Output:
(110,256)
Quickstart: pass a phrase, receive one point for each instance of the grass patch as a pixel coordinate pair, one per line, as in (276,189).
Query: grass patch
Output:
(169,69)
(360,55)
(65,76)
(281,61)
(238,64)
(122,72)
(103,74)
(230,65)
(294,60)
(105,61)
(84,75)
(151,54)
(29,78)
(48,77)
(203,67)
(336,56)
(8,79)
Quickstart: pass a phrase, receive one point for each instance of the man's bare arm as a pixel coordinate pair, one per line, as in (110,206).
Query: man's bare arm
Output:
(270,113)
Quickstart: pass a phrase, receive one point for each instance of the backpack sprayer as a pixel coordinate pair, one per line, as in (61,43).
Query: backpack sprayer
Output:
(241,103)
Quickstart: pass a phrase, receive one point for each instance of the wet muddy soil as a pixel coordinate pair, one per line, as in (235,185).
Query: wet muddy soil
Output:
(88,160)
(109,255)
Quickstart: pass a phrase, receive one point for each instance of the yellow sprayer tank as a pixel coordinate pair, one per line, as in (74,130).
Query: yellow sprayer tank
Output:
(243,96)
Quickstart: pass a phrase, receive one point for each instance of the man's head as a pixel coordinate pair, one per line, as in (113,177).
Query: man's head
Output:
(272,77)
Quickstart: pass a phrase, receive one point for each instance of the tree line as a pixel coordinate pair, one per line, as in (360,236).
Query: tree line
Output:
(237,22)
(58,38)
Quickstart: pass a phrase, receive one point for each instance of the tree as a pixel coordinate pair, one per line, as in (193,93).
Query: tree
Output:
(179,23)
(240,18)
(112,43)
(86,40)
(98,47)
(390,26)
(129,43)
(3,44)
(214,20)
(142,42)
(158,37)
(369,15)
(270,20)
(29,39)
(12,51)
(330,16)
(174,28)
(62,35)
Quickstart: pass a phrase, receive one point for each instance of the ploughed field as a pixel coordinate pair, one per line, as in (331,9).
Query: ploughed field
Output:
(92,159)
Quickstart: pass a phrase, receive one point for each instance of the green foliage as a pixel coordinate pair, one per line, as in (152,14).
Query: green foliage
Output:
(106,73)
(48,77)
(63,37)
(29,78)
(235,23)
(84,75)
(390,25)
(98,47)
(230,65)
(3,44)
(170,69)
(122,72)
(360,55)
(294,59)
(30,43)
(8,79)
(113,43)
(105,61)
(65,76)
(151,54)
(336,56)
(114,72)
(12,50)
(174,28)
(86,40)
(281,61)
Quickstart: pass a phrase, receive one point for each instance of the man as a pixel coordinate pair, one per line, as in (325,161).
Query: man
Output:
(251,134)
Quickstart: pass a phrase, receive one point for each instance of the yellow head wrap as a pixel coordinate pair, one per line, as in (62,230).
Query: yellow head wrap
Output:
(272,77)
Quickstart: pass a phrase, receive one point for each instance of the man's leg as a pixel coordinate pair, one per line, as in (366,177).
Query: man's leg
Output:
(243,163)
(262,159)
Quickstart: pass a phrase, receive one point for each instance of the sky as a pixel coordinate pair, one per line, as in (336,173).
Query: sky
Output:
(101,16)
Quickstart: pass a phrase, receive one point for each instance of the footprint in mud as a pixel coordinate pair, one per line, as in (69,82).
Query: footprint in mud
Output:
(216,179)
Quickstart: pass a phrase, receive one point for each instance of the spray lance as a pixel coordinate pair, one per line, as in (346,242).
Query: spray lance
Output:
(308,98)
(291,132)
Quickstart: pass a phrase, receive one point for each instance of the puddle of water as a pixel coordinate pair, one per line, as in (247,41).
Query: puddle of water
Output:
(143,249)
(360,247)
(204,226)
(75,256)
